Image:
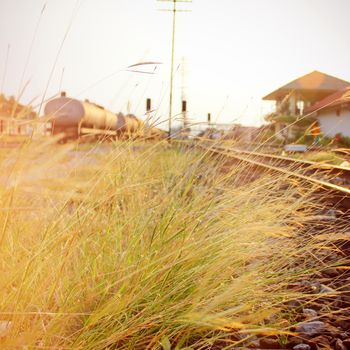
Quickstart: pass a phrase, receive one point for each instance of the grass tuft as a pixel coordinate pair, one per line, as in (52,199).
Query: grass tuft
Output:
(136,246)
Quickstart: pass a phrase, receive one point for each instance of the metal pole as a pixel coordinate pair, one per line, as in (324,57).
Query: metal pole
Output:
(148,117)
(172,68)
(174,10)
(184,113)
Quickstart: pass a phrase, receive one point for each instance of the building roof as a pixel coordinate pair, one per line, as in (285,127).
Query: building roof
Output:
(334,100)
(315,82)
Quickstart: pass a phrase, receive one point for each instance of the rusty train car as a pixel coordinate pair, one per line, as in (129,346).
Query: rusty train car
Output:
(74,118)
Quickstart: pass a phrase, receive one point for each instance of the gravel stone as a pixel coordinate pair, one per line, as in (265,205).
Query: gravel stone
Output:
(302,347)
(339,345)
(310,328)
(310,313)
(269,343)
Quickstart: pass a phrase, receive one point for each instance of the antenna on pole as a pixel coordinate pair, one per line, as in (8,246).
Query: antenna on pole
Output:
(173,10)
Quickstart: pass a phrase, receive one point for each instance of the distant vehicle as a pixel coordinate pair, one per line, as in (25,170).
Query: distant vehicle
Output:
(74,118)
(295,148)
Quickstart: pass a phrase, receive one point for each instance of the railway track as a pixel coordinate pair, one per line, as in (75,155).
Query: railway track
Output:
(335,180)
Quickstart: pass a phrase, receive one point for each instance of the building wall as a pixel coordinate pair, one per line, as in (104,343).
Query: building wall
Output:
(284,132)
(331,124)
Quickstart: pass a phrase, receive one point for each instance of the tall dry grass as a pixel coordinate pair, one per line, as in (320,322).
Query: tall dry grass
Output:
(135,246)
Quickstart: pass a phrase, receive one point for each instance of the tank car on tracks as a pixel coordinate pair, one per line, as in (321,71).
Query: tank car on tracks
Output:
(74,118)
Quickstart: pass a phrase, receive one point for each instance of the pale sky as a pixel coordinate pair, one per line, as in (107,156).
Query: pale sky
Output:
(235,51)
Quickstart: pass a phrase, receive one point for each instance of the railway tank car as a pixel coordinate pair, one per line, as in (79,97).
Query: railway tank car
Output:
(73,118)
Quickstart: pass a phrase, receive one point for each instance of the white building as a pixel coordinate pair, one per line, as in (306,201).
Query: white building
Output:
(315,94)
(333,113)
(298,95)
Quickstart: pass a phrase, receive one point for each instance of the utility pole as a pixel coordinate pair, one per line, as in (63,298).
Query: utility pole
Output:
(173,10)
